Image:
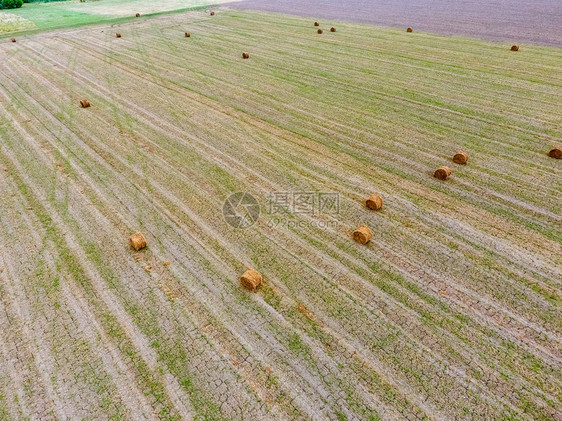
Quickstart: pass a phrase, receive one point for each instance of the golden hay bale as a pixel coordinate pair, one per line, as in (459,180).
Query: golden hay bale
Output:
(332,29)
(251,279)
(514,48)
(187,34)
(461,157)
(442,173)
(409,30)
(316,24)
(117,35)
(245,55)
(320,31)
(13,40)
(374,202)
(138,241)
(212,13)
(556,152)
(138,15)
(362,234)
(84,103)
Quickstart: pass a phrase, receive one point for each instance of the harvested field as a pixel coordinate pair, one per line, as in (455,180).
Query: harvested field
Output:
(451,311)
(537,21)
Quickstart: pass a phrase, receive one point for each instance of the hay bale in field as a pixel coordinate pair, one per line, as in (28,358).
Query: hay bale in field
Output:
(461,157)
(409,30)
(320,31)
(332,29)
(138,15)
(556,152)
(117,35)
(316,24)
(374,202)
(251,279)
(362,234)
(13,40)
(84,103)
(138,241)
(245,55)
(187,34)
(514,48)
(212,13)
(442,173)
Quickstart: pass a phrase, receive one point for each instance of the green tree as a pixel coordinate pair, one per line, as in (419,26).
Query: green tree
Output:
(10,4)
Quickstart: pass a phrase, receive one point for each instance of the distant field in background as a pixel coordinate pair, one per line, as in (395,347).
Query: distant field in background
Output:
(45,16)
(533,21)
(452,312)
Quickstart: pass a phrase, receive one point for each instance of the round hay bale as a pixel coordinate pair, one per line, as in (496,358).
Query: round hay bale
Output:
(332,29)
(13,40)
(84,103)
(245,55)
(117,35)
(374,202)
(212,13)
(138,15)
(442,173)
(556,152)
(461,157)
(316,24)
(362,234)
(251,279)
(514,48)
(138,241)
(409,30)
(187,34)
(320,31)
